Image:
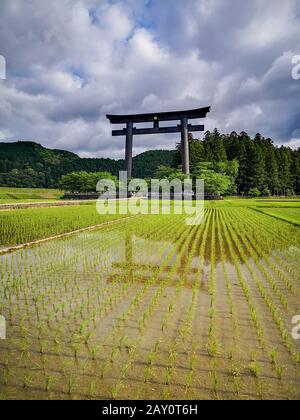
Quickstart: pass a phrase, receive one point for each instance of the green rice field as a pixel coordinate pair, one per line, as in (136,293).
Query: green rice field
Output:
(150,308)
(27,195)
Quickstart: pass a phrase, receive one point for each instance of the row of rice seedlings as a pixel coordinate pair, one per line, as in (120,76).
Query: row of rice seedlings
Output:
(180,249)
(128,313)
(268,299)
(272,354)
(122,318)
(258,255)
(285,334)
(184,331)
(167,259)
(116,348)
(255,368)
(243,282)
(284,232)
(289,261)
(284,235)
(192,352)
(157,251)
(108,304)
(197,242)
(276,264)
(236,369)
(212,346)
(269,244)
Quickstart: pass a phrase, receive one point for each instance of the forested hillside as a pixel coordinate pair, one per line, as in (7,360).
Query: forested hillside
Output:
(28,164)
(261,165)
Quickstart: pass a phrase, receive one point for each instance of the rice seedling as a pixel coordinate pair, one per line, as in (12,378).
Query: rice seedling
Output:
(49,382)
(148,373)
(71,384)
(27,380)
(103,368)
(280,371)
(165,394)
(94,352)
(216,384)
(93,388)
(236,371)
(7,375)
(116,389)
(255,369)
(273,356)
(189,381)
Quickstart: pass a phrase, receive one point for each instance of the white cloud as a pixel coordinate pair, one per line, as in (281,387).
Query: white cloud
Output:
(114,21)
(269,26)
(69,62)
(294,143)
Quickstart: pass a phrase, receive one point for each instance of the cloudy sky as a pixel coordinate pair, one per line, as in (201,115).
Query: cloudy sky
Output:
(69,62)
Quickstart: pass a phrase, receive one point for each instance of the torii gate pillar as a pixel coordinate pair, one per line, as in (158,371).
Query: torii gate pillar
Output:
(185,146)
(128,151)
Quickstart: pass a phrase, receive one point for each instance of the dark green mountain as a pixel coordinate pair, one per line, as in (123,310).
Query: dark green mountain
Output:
(28,164)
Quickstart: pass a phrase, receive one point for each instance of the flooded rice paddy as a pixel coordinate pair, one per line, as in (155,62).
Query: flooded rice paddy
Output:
(149,308)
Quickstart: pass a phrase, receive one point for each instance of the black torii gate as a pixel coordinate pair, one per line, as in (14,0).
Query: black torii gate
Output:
(184,128)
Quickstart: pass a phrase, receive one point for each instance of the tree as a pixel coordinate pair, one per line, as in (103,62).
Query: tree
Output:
(254,192)
(296,171)
(197,153)
(284,158)
(266,192)
(84,182)
(165,172)
(214,147)
(255,167)
(214,183)
(241,155)
(272,178)
(232,169)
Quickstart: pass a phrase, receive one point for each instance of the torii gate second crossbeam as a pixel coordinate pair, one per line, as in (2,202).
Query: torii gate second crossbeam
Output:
(184,128)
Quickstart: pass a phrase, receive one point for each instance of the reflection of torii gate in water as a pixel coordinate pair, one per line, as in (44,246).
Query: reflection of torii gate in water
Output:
(184,128)
(131,268)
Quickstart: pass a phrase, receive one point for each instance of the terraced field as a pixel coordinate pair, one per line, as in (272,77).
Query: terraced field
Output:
(150,308)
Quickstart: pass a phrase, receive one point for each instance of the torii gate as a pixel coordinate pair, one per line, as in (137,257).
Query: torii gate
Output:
(184,128)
